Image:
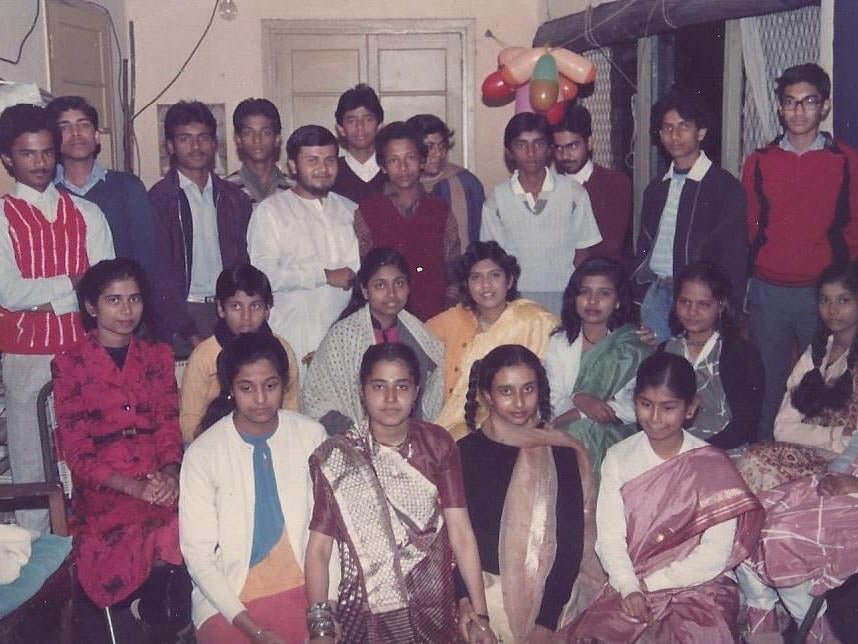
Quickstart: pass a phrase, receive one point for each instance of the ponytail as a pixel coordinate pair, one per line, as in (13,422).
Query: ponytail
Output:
(471,402)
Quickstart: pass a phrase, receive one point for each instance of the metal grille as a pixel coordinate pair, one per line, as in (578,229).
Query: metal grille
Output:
(787,38)
(599,104)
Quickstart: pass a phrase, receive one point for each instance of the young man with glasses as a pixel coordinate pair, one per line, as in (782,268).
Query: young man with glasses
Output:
(120,195)
(695,211)
(802,216)
(543,218)
(256,123)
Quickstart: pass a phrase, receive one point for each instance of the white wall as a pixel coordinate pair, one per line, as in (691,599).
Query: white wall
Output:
(15,19)
(228,66)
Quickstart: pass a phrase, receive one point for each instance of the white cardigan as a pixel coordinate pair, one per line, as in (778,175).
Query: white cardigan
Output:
(217,500)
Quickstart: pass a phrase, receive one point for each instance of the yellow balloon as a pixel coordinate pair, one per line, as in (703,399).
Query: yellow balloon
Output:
(519,69)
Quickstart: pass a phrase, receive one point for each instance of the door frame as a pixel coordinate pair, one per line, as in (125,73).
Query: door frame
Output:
(463,27)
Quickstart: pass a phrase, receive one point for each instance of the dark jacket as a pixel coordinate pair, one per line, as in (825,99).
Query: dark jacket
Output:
(710,225)
(174,236)
(743,379)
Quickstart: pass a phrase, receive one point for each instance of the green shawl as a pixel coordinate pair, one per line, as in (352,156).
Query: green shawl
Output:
(605,369)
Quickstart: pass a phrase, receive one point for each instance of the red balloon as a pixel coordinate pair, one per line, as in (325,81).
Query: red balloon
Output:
(568,89)
(495,88)
(555,114)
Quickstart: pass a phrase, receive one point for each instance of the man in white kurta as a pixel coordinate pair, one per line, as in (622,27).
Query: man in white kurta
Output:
(303,239)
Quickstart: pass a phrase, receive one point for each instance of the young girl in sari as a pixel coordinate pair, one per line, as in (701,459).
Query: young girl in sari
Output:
(819,412)
(389,492)
(491,314)
(117,428)
(728,368)
(375,314)
(530,507)
(246,501)
(592,358)
(673,518)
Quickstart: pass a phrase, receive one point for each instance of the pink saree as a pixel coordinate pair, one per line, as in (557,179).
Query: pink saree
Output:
(667,510)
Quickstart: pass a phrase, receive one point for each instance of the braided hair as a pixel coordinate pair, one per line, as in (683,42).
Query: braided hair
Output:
(483,373)
(813,395)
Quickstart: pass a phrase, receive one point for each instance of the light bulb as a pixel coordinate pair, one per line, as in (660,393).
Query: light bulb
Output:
(228,9)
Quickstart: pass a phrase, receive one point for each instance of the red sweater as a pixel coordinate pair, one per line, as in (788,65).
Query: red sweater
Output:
(611,197)
(43,249)
(420,239)
(802,211)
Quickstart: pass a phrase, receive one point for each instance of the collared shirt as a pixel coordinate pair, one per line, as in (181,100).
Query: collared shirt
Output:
(583,175)
(17,292)
(250,185)
(205,257)
(97,174)
(530,200)
(366,170)
(661,260)
(786,144)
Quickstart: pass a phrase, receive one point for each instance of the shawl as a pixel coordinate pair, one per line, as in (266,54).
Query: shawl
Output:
(705,490)
(458,201)
(605,369)
(522,322)
(332,379)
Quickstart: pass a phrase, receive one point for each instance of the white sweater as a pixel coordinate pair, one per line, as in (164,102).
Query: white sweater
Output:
(217,500)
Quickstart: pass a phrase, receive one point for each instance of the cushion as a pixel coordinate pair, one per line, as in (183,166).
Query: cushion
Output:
(49,552)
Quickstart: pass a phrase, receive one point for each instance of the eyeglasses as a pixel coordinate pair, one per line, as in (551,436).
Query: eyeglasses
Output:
(808,103)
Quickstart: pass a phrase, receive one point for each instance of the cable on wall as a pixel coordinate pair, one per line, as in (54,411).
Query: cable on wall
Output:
(26,37)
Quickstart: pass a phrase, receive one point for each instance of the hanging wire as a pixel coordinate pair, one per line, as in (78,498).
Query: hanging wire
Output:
(25,38)
(184,65)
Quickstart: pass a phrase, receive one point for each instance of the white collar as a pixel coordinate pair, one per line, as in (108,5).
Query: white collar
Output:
(27,193)
(547,183)
(704,351)
(368,168)
(185,182)
(583,175)
(697,171)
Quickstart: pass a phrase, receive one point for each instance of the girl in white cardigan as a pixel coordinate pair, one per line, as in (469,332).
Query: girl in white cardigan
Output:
(246,501)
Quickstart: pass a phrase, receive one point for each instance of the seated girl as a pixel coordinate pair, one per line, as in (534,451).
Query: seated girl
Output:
(673,518)
(375,314)
(531,506)
(807,547)
(592,358)
(491,314)
(728,368)
(819,412)
(117,428)
(389,492)
(246,501)
(244,301)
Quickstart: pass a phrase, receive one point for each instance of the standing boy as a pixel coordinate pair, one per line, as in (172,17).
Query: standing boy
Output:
(256,123)
(418,225)
(304,241)
(696,211)
(359,115)
(48,240)
(200,227)
(802,216)
(543,218)
(120,195)
(610,190)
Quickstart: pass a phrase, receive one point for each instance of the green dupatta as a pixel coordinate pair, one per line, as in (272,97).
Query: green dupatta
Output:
(605,370)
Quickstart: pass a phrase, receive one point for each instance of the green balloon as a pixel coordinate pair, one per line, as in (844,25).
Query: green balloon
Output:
(546,68)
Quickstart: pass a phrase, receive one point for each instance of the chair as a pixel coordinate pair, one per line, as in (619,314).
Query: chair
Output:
(43,594)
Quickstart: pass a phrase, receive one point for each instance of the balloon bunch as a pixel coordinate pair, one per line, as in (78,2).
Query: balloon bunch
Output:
(541,79)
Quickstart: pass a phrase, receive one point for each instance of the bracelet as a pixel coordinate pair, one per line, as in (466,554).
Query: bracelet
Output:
(320,620)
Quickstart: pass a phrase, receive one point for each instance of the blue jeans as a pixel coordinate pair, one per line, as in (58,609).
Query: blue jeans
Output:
(779,317)
(656,307)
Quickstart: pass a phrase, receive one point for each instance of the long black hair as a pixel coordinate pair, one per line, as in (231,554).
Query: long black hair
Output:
(667,369)
(100,276)
(246,349)
(476,252)
(374,260)
(813,396)
(714,277)
(570,321)
(483,373)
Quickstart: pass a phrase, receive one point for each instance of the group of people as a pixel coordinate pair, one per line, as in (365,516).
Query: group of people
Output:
(451,386)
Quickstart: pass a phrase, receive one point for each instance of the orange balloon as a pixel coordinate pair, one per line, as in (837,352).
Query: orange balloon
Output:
(574,66)
(555,114)
(543,94)
(495,89)
(568,89)
(519,69)
(508,54)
